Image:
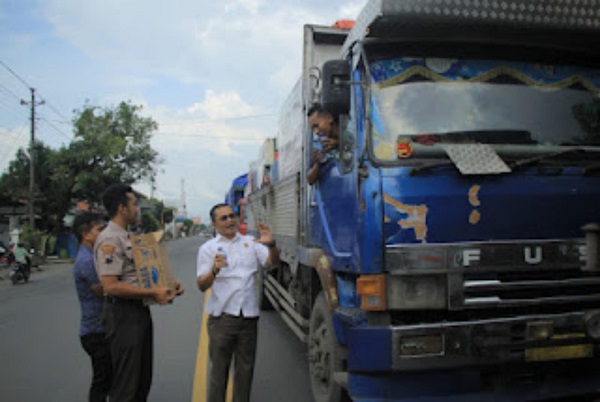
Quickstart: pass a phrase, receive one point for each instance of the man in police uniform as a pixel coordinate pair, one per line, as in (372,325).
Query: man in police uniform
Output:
(127,320)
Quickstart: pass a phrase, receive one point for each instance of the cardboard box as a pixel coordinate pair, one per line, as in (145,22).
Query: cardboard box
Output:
(151,260)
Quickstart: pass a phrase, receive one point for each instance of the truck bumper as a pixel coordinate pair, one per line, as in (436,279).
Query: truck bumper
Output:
(573,382)
(522,358)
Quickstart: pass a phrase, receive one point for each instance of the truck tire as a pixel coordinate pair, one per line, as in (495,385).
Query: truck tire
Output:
(263,303)
(323,355)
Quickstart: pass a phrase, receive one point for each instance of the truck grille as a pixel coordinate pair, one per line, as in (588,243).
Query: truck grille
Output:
(527,287)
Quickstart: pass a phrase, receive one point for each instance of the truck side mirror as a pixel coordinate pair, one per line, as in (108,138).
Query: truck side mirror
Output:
(336,87)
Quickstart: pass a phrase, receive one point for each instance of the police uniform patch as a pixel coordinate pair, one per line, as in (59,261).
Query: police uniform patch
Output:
(107,252)
(246,245)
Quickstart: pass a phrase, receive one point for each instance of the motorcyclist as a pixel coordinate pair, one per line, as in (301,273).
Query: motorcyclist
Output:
(22,256)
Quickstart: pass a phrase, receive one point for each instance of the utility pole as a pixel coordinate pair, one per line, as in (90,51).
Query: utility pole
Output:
(182,201)
(32,157)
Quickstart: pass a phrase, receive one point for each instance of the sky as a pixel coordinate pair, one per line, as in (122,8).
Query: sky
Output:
(212,74)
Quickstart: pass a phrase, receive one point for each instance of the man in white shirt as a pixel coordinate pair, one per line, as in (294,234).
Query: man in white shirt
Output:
(228,264)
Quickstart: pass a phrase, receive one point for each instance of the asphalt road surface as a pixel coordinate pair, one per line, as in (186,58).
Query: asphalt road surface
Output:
(42,359)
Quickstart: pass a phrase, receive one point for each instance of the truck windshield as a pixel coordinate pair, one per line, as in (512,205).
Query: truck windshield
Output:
(429,101)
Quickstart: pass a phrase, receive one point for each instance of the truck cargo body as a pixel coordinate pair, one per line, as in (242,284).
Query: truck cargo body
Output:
(443,254)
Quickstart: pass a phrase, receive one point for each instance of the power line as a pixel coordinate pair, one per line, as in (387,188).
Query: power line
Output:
(216,137)
(59,114)
(56,128)
(9,92)
(29,87)
(55,110)
(60,121)
(14,111)
(254,116)
(15,74)
(11,149)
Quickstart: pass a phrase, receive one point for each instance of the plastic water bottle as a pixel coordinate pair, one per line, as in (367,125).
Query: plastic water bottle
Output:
(318,146)
(220,251)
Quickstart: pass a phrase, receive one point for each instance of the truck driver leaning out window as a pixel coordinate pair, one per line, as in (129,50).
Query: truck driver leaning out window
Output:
(326,129)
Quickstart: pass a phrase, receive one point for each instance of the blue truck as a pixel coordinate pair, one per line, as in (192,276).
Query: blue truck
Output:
(450,250)
(235,198)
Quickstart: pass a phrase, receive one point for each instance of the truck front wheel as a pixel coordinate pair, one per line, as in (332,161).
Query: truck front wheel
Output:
(323,354)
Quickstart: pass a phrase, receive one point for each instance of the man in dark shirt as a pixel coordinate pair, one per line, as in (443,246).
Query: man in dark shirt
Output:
(87,226)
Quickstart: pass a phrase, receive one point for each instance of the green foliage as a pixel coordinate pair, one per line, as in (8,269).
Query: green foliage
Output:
(195,230)
(111,144)
(31,237)
(161,212)
(168,215)
(149,222)
(186,227)
(14,184)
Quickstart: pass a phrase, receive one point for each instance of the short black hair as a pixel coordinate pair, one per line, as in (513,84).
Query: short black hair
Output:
(115,195)
(84,222)
(321,111)
(214,208)
(316,107)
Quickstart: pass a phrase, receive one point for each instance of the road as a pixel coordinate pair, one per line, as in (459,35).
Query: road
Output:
(42,359)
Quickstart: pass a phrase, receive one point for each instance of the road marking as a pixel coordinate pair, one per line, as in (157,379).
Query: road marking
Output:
(200,389)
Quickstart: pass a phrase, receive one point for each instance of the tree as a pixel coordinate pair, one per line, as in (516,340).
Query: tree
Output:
(14,184)
(110,144)
(196,229)
(149,222)
(162,213)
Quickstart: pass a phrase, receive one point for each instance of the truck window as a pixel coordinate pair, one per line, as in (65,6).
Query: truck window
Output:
(477,101)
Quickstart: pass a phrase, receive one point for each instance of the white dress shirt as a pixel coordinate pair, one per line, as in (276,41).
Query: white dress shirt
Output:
(234,288)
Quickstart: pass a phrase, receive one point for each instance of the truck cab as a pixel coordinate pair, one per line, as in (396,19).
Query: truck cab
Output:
(450,250)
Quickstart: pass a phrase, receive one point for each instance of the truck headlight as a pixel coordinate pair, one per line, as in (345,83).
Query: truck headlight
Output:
(416,292)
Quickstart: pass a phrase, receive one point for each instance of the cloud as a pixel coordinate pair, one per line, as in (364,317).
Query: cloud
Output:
(217,123)
(351,10)
(213,44)
(223,105)
(213,74)
(12,141)
(206,144)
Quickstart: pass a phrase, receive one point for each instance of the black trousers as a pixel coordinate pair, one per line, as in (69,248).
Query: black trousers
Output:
(231,337)
(129,330)
(97,347)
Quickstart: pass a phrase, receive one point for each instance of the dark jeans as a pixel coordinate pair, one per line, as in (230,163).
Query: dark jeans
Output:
(129,330)
(97,347)
(231,337)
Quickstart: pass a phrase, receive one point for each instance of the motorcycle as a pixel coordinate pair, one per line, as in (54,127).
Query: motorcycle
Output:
(4,253)
(19,271)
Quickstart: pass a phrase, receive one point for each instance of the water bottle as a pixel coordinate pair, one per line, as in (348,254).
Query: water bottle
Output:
(318,146)
(220,251)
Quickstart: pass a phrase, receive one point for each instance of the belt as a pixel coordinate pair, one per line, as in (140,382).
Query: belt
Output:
(119,300)
(241,316)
